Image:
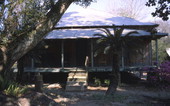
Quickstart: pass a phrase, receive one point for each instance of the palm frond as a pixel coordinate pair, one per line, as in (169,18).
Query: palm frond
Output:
(107,49)
(101,40)
(98,50)
(100,35)
(106,31)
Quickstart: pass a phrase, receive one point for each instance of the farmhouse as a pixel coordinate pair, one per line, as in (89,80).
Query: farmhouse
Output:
(70,47)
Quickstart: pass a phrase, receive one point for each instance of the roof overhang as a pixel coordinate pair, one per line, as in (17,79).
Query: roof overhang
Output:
(89,33)
(138,27)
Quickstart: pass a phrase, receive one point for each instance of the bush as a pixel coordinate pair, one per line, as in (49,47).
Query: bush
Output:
(4,83)
(15,90)
(12,88)
(160,77)
(97,82)
(107,82)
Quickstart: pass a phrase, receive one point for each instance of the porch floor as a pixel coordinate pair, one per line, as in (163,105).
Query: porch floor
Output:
(89,69)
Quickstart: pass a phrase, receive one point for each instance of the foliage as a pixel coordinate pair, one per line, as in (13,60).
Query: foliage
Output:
(160,77)
(164,26)
(131,8)
(164,71)
(162,8)
(107,82)
(4,83)
(163,43)
(24,23)
(2,1)
(11,88)
(84,2)
(20,17)
(113,43)
(15,90)
(97,82)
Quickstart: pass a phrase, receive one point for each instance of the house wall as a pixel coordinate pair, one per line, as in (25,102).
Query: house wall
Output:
(139,58)
(76,51)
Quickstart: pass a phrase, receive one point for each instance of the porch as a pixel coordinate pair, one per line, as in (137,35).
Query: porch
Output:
(87,69)
(65,55)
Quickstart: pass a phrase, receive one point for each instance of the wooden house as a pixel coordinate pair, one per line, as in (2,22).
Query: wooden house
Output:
(71,45)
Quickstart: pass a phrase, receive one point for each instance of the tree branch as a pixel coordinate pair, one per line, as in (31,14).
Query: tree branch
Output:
(26,42)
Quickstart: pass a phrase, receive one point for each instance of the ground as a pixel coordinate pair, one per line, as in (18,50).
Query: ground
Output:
(126,95)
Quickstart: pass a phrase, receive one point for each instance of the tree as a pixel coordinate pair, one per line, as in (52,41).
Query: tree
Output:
(164,26)
(114,44)
(24,23)
(164,42)
(1,1)
(162,9)
(129,8)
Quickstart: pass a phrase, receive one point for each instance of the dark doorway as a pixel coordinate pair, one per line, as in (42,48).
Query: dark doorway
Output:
(81,51)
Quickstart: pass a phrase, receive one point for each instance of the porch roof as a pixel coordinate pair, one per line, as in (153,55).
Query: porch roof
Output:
(84,24)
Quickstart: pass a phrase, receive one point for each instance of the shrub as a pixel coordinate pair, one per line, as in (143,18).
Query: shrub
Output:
(160,77)
(107,82)
(164,71)
(4,83)
(12,88)
(97,82)
(15,90)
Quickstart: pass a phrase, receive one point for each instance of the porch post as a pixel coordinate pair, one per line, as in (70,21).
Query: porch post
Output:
(156,48)
(62,54)
(123,60)
(150,53)
(92,56)
(32,63)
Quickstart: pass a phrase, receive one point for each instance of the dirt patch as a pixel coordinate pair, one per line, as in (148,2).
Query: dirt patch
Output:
(126,95)
(94,96)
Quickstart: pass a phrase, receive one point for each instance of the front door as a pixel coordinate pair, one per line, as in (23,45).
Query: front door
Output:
(81,52)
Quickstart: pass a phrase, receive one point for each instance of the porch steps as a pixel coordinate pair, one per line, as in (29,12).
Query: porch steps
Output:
(76,81)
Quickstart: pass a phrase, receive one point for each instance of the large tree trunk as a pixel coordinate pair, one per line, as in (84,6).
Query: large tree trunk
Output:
(26,42)
(20,66)
(114,76)
(3,59)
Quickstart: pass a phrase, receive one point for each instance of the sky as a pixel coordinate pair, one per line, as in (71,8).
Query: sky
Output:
(114,5)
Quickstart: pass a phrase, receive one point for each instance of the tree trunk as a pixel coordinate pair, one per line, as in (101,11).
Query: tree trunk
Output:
(26,42)
(20,66)
(114,76)
(3,59)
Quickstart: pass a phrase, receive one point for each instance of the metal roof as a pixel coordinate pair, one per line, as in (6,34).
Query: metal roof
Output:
(79,24)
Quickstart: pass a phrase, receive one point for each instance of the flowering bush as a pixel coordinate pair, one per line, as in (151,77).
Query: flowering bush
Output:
(160,77)
(164,71)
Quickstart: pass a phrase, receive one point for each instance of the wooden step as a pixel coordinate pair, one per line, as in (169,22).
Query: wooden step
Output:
(73,83)
(77,81)
(77,74)
(81,77)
